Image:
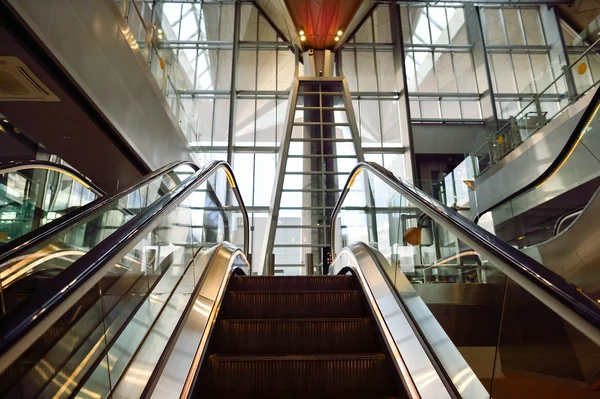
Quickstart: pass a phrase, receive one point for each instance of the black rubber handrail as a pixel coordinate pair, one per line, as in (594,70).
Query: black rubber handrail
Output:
(67,170)
(569,301)
(572,142)
(24,243)
(19,330)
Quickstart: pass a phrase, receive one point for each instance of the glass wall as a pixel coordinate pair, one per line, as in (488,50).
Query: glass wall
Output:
(440,72)
(197,47)
(368,64)
(519,59)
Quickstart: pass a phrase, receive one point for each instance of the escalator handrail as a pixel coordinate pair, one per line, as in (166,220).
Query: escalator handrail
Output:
(572,142)
(24,243)
(551,289)
(47,165)
(21,329)
(558,226)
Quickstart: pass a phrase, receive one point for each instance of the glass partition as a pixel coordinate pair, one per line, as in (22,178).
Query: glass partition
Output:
(58,252)
(530,218)
(110,340)
(515,344)
(33,196)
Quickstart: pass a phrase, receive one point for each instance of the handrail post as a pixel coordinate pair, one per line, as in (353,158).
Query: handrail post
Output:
(271,265)
(571,87)
(308,263)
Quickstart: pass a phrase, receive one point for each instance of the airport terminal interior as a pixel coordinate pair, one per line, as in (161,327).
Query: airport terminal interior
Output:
(299,199)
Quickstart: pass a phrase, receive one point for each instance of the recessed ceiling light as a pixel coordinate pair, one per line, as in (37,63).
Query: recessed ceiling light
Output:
(159,30)
(339,32)
(337,39)
(303,38)
(301,32)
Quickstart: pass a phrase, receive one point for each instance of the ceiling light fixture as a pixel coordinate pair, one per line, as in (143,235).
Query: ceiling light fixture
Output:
(337,38)
(302,38)
(301,32)
(160,36)
(339,32)
(159,30)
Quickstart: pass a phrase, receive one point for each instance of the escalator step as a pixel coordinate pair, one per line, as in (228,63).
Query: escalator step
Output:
(294,283)
(362,375)
(292,304)
(267,336)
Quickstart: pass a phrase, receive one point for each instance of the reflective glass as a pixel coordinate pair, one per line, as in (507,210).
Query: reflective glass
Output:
(473,317)
(110,341)
(32,197)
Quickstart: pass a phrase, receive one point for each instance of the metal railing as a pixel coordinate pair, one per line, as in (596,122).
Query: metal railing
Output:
(26,242)
(56,167)
(20,329)
(562,297)
(530,119)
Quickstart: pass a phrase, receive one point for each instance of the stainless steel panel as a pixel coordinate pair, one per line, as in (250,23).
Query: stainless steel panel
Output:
(410,357)
(527,162)
(176,377)
(91,41)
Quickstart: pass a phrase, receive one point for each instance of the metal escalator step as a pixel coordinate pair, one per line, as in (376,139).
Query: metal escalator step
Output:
(362,375)
(295,283)
(310,335)
(292,304)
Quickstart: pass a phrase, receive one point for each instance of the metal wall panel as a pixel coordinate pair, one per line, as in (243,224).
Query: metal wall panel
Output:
(91,41)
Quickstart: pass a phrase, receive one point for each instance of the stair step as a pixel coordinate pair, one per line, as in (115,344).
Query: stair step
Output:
(268,336)
(294,283)
(361,375)
(292,304)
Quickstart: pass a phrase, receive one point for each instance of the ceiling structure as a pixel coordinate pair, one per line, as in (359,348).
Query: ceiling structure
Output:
(321,20)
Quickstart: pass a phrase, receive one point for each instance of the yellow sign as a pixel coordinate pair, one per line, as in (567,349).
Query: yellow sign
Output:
(582,68)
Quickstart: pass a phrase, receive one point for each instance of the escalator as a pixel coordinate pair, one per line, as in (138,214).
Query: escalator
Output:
(550,188)
(166,305)
(296,337)
(33,193)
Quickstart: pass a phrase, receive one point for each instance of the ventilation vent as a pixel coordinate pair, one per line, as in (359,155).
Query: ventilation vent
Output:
(18,83)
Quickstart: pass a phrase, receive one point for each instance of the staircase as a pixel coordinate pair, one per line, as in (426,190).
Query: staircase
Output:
(296,336)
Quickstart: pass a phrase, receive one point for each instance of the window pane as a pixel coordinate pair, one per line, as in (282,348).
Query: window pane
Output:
(226,26)
(456,26)
(224,69)
(285,65)
(264,177)
(505,80)
(425,77)
(445,73)
(366,71)
(494,28)
(265,122)
(430,109)
(349,68)
(267,65)
(244,122)
(386,73)
(370,130)
(247,70)
(248,23)
(523,73)
(243,168)
(450,110)
(221,122)
(533,27)
(513,27)
(381,24)
(465,74)
(365,33)
(390,123)
(265,32)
